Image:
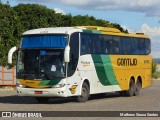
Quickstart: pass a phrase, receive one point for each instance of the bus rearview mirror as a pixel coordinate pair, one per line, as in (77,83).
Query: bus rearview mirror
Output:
(10,54)
(66,54)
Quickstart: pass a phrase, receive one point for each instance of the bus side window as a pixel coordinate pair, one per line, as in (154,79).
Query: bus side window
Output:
(115,48)
(107,44)
(74,54)
(116,41)
(134,46)
(104,47)
(141,46)
(98,43)
(121,45)
(127,45)
(83,46)
(93,47)
(147,46)
(89,45)
(107,48)
(95,44)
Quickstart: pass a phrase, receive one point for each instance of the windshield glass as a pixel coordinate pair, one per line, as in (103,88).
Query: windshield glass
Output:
(40,64)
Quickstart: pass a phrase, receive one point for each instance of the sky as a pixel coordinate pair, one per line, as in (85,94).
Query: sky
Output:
(134,15)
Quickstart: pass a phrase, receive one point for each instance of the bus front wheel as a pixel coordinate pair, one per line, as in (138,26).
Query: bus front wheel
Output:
(84,93)
(131,91)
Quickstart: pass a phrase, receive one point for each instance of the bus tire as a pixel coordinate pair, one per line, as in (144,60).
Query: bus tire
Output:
(42,99)
(84,93)
(138,87)
(131,91)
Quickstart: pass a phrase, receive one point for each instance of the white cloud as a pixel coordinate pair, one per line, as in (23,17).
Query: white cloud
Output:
(154,33)
(58,10)
(145,28)
(129,30)
(35,1)
(156,54)
(74,2)
(148,7)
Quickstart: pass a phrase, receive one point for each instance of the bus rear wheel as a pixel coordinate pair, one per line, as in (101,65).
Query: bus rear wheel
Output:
(138,87)
(84,93)
(131,91)
(42,99)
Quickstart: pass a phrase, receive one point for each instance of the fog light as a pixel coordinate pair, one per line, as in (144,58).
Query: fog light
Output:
(58,86)
(19,92)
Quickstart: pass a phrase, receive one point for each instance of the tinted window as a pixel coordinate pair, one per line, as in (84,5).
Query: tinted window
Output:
(91,43)
(116,45)
(126,45)
(134,46)
(108,44)
(74,53)
(147,46)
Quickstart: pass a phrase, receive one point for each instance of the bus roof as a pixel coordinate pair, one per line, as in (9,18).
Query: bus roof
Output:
(112,31)
(55,30)
(90,29)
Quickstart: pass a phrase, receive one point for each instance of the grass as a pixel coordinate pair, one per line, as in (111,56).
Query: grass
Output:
(156,75)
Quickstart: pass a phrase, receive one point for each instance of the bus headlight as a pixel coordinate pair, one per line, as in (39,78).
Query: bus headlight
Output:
(58,86)
(20,85)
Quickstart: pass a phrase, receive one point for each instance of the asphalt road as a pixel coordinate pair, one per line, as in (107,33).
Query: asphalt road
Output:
(148,100)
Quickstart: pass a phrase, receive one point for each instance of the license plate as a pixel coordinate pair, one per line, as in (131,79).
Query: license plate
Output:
(38,92)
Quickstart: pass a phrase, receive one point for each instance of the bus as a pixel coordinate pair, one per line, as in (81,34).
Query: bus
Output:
(80,61)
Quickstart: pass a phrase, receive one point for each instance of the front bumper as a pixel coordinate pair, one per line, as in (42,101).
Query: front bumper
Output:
(47,92)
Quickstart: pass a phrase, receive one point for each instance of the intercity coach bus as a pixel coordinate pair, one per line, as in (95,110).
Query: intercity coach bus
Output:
(81,61)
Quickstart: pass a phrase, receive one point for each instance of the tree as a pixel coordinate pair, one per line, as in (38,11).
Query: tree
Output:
(15,20)
(154,69)
(118,26)
(10,29)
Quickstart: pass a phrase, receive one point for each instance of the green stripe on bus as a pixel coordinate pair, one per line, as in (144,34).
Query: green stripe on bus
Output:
(49,82)
(104,70)
(92,31)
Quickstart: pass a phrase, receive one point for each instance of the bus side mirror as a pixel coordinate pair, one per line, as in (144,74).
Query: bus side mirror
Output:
(10,54)
(66,54)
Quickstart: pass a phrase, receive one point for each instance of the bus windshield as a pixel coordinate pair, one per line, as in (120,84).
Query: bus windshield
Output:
(40,64)
(41,57)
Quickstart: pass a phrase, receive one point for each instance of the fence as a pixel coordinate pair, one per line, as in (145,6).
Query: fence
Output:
(7,76)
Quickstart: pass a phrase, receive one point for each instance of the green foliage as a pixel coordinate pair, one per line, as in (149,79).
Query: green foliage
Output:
(155,72)
(154,67)
(15,20)
(10,30)
(158,74)
(115,25)
(34,16)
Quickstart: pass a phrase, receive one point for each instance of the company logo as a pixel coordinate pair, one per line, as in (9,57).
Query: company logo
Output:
(147,62)
(85,64)
(6,114)
(29,82)
(21,114)
(73,89)
(127,62)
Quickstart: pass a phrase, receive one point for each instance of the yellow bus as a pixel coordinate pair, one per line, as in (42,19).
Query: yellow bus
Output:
(81,61)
